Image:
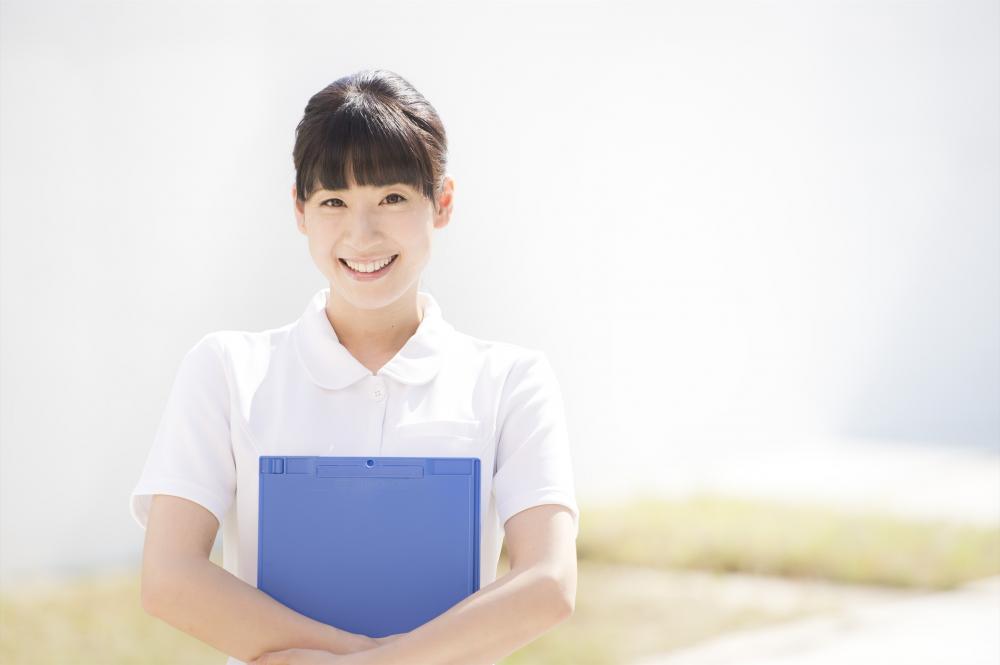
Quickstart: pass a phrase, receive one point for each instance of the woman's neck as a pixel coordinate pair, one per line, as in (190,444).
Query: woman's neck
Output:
(374,334)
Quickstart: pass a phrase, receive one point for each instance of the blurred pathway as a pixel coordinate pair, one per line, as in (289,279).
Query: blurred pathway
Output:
(957,627)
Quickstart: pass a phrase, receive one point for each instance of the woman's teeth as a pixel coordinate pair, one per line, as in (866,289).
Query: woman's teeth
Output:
(370,267)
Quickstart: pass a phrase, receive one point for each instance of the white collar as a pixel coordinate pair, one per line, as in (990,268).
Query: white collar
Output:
(331,365)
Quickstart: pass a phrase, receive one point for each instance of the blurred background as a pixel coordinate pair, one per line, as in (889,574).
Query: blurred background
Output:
(758,241)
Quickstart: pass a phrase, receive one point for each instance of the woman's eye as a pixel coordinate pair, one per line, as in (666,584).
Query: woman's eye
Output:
(340,203)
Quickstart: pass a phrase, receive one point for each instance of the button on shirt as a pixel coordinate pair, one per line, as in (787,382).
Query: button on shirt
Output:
(296,390)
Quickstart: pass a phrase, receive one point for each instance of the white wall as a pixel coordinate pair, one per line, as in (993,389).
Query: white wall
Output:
(726,223)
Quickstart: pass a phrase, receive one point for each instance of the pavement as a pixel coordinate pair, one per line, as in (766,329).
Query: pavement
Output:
(960,627)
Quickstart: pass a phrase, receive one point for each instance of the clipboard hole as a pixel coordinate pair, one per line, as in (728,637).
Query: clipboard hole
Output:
(370,463)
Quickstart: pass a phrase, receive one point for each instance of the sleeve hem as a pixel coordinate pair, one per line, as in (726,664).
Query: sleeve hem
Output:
(142,497)
(539,499)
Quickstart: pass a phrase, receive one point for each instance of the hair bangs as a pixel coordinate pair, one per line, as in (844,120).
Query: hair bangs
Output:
(366,142)
(372,128)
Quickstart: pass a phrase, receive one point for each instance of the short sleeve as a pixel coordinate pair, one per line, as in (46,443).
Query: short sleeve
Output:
(191,455)
(534,464)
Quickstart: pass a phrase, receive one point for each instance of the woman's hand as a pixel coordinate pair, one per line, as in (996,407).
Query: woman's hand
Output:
(388,638)
(301,657)
(318,657)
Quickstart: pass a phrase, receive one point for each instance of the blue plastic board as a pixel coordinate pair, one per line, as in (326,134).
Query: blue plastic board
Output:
(371,545)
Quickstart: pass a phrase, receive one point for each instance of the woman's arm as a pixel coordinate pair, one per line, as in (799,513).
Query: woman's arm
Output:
(181,586)
(537,594)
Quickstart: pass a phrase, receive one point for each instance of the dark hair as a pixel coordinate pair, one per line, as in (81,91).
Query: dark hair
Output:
(374,125)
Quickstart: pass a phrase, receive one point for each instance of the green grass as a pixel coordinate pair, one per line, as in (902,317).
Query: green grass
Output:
(631,599)
(93,621)
(727,534)
(621,614)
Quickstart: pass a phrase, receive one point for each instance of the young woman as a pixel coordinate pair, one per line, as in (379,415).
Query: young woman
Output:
(370,368)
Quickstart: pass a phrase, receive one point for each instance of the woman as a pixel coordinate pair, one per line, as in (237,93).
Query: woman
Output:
(370,368)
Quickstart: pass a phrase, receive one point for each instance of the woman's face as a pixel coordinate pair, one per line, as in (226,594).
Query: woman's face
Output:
(370,224)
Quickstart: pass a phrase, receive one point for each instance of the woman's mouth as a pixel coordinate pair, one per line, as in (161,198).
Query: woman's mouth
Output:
(368,271)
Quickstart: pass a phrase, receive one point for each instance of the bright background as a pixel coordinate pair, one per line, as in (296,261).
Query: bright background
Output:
(759,242)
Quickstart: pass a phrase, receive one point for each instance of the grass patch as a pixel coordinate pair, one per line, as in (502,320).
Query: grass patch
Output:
(94,620)
(654,575)
(754,536)
(622,613)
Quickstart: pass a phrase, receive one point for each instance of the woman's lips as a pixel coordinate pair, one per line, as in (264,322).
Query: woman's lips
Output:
(369,276)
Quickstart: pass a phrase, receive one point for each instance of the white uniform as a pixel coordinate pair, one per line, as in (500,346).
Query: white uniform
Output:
(296,390)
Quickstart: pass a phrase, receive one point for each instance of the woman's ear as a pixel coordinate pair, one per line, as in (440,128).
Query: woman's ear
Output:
(445,202)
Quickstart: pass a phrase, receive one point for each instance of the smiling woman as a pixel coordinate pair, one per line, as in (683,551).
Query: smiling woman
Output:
(371,368)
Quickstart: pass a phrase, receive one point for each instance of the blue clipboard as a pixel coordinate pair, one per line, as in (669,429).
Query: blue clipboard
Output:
(371,545)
